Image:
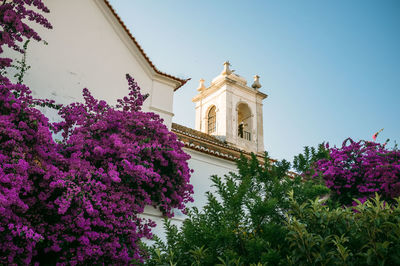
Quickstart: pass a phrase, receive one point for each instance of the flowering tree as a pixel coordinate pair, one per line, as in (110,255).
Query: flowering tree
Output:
(27,151)
(119,161)
(359,169)
(28,162)
(13,28)
(78,201)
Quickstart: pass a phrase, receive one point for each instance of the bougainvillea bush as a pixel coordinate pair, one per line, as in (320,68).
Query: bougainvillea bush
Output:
(77,201)
(119,161)
(359,169)
(28,163)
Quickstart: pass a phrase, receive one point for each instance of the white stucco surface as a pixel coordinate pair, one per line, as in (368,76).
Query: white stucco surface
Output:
(204,167)
(88,48)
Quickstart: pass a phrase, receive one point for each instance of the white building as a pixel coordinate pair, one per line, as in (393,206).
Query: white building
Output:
(90,47)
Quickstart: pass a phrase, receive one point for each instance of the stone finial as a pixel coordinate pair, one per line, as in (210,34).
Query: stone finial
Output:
(201,85)
(256,84)
(226,71)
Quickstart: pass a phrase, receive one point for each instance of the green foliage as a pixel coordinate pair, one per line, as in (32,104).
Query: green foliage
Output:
(260,216)
(21,66)
(367,234)
(243,223)
(303,163)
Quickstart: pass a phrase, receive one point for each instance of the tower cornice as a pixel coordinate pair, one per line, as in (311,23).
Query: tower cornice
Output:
(221,82)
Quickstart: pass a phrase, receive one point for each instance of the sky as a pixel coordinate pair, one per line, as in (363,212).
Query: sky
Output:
(331,69)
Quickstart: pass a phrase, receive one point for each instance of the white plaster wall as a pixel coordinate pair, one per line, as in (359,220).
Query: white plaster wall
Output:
(88,49)
(260,129)
(204,167)
(161,101)
(198,116)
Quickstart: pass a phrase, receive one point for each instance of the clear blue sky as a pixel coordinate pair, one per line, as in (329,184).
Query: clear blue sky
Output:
(331,68)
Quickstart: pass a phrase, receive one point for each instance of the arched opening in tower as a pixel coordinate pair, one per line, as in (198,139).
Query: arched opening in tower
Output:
(211,120)
(244,121)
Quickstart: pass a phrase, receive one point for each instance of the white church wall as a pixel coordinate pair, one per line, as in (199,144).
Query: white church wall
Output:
(87,48)
(260,129)
(204,167)
(161,100)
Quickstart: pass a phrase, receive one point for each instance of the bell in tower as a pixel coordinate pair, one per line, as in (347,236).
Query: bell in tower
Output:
(231,110)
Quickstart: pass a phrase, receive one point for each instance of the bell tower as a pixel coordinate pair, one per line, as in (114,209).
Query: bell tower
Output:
(231,110)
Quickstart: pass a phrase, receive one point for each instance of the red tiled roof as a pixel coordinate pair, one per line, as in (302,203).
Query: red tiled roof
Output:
(181,81)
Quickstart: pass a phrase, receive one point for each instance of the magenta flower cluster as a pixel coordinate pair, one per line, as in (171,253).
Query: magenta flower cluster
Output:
(361,169)
(78,201)
(13,15)
(28,160)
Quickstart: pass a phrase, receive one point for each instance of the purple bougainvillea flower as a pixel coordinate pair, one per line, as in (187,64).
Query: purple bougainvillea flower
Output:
(361,169)
(81,198)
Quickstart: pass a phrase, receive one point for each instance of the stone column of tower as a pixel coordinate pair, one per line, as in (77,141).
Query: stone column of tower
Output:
(231,110)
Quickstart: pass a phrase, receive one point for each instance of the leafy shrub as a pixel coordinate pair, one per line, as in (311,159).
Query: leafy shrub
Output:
(304,162)
(256,219)
(367,234)
(243,224)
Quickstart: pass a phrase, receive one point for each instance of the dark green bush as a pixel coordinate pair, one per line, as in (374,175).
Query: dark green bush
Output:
(260,216)
(367,234)
(243,224)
